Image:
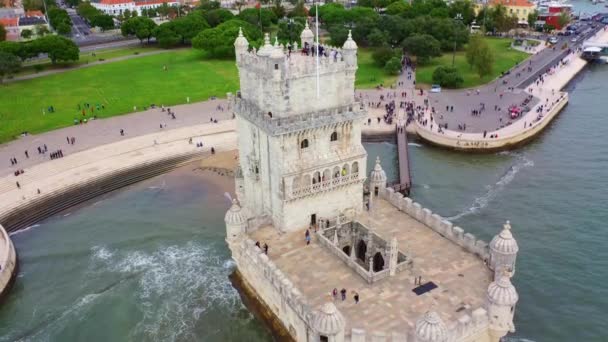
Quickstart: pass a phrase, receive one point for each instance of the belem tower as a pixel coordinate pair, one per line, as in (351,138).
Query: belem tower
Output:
(302,166)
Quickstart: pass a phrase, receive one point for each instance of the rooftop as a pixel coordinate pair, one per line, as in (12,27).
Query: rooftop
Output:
(26,21)
(388,305)
(517,3)
(7,22)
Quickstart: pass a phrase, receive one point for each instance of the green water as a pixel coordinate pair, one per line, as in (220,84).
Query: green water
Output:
(149,263)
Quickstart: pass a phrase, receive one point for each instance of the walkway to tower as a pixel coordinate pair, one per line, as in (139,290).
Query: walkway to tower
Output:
(405,179)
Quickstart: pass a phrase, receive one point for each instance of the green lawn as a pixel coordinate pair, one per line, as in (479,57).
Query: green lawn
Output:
(85,58)
(504,56)
(118,86)
(369,74)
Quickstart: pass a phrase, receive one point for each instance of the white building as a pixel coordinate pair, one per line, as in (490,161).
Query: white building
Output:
(300,148)
(116,7)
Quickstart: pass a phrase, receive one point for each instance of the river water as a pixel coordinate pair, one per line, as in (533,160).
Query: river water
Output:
(149,263)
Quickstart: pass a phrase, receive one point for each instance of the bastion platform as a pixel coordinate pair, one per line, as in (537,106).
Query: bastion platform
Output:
(389,305)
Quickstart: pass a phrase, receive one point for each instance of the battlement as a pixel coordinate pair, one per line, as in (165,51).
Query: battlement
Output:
(288,122)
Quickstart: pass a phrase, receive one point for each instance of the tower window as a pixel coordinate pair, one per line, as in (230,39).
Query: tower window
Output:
(276,67)
(304,143)
(334,136)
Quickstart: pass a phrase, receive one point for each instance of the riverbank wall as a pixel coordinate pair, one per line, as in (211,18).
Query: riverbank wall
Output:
(8,263)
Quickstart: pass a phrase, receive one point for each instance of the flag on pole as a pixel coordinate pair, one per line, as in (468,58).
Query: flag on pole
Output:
(258,5)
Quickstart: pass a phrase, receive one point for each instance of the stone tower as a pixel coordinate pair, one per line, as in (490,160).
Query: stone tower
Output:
(301,157)
(502,298)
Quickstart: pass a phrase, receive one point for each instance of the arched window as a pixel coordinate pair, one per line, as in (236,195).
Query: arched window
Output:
(334,136)
(345,170)
(355,168)
(304,143)
(316,178)
(336,172)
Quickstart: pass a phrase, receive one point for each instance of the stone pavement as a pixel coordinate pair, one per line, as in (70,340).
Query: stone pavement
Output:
(389,305)
(99,132)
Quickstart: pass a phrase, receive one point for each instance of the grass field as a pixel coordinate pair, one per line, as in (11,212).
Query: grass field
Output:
(504,56)
(369,74)
(118,86)
(44,64)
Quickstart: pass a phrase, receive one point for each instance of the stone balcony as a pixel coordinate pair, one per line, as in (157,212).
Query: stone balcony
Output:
(323,186)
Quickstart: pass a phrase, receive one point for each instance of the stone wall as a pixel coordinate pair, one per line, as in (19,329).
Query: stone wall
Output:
(440,225)
(274,289)
(502,143)
(8,262)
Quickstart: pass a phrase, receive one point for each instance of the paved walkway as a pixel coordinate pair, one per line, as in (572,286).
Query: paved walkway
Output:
(88,65)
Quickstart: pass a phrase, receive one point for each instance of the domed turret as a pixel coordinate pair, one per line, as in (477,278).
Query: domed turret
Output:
(241,45)
(502,298)
(235,220)
(266,49)
(349,51)
(503,251)
(307,36)
(277,51)
(328,322)
(430,328)
(377,178)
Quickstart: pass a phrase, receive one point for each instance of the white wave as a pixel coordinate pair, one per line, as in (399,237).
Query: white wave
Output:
(493,190)
(23,230)
(414,144)
(426,186)
(66,215)
(175,286)
(516,339)
(100,252)
(388,144)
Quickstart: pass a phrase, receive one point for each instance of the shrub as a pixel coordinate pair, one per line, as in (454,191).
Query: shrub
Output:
(447,77)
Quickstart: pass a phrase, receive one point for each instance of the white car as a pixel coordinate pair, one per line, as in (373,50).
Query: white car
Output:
(435,88)
(574,40)
(553,40)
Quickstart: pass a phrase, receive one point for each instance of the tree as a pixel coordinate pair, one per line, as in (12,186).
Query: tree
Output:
(218,41)
(2,33)
(423,46)
(484,61)
(60,20)
(217,16)
(87,11)
(253,15)
(58,48)
(27,34)
(465,8)
(290,29)
(208,5)
(140,27)
(447,77)
(475,45)
(563,19)
(398,8)
(298,11)
(532,18)
(41,30)
(393,66)
(338,35)
(382,54)
(103,21)
(9,64)
(126,14)
(63,28)
(278,8)
(377,38)
(180,30)
(73,3)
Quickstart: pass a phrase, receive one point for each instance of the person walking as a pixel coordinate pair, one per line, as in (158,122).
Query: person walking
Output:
(266,248)
(356,297)
(18,185)
(343,294)
(307,236)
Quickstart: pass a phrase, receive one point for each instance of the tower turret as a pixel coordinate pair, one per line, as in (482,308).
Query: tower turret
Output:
(430,328)
(503,251)
(241,45)
(377,178)
(349,50)
(502,298)
(328,324)
(235,221)
(307,37)
(266,49)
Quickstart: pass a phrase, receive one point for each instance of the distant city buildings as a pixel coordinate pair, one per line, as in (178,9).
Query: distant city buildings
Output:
(15,20)
(117,7)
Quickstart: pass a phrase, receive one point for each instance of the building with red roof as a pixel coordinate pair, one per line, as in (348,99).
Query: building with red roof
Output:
(116,7)
(11,25)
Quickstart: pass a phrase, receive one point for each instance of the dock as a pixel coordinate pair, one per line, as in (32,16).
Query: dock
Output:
(405,178)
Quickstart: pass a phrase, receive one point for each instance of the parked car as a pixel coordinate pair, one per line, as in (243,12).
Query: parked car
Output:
(553,40)
(435,88)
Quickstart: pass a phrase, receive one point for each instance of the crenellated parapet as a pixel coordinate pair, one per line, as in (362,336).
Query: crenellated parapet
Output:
(437,223)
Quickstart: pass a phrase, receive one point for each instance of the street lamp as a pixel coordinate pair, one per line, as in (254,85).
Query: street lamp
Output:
(456,19)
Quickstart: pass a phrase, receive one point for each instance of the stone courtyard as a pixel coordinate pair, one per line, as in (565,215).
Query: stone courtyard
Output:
(389,305)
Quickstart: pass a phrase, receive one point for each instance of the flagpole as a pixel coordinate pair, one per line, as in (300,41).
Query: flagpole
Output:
(317,59)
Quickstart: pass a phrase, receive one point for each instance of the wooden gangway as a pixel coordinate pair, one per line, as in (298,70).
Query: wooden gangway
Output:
(405,179)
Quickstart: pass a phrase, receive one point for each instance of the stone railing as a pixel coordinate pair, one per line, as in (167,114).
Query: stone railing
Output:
(440,225)
(8,261)
(324,186)
(463,329)
(292,123)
